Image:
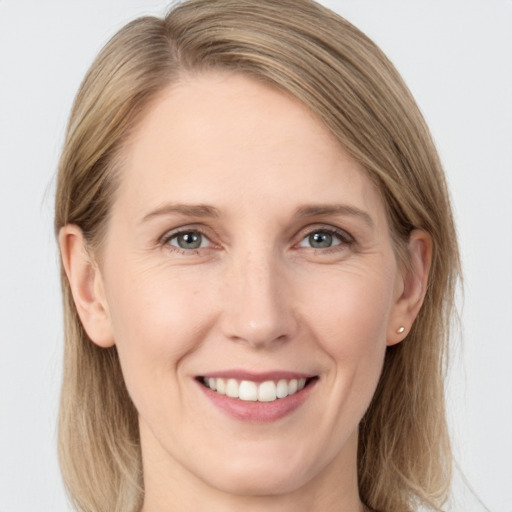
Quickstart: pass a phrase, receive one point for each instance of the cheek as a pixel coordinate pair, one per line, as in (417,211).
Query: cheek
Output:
(155,322)
(350,312)
(349,316)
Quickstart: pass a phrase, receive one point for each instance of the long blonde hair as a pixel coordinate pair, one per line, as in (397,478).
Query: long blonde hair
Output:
(404,457)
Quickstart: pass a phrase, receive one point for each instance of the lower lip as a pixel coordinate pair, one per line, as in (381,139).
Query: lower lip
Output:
(258,412)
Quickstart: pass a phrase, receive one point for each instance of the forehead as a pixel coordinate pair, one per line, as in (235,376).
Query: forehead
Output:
(234,141)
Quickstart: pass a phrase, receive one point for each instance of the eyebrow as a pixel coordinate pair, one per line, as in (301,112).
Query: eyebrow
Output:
(191,210)
(316,210)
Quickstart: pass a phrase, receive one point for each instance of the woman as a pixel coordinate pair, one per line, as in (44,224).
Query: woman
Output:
(259,262)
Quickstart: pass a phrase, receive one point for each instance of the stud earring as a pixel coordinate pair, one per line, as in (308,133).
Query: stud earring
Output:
(400,330)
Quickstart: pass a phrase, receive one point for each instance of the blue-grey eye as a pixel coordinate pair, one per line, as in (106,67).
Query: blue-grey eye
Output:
(322,239)
(189,240)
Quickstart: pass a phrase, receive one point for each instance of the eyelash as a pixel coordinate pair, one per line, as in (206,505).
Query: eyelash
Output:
(166,239)
(345,239)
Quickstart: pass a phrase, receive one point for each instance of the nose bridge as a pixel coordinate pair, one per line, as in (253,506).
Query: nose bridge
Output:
(258,304)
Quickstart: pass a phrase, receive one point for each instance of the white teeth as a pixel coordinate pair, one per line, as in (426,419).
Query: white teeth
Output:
(220,386)
(248,390)
(267,391)
(232,388)
(282,389)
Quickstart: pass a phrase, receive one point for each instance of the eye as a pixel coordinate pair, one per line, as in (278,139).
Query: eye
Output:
(325,238)
(188,240)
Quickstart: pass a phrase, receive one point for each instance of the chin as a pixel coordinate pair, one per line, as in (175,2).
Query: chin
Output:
(260,482)
(271,476)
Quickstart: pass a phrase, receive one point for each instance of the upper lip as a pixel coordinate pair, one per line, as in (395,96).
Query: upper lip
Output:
(275,375)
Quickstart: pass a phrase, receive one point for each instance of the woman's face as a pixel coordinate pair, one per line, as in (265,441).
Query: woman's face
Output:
(247,252)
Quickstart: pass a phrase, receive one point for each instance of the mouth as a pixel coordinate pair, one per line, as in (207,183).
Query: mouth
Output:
(248,390)
(257,397)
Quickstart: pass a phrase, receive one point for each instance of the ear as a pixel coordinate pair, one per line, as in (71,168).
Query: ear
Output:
(86,286)
(411,288)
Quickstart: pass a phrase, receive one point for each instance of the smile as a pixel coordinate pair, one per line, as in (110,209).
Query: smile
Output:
(251,391)
(257,397)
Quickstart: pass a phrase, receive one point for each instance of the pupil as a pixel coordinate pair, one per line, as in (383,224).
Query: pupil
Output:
(189,241)
(320,240)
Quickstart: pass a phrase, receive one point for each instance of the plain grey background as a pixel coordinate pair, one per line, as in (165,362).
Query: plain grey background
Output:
(455,55)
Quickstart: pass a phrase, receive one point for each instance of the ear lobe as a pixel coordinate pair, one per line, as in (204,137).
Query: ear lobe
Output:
(86,286)
(413,287)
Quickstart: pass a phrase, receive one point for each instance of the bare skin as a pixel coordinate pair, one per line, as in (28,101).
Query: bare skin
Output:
(244,237)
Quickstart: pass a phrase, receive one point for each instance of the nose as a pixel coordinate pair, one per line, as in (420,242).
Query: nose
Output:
(258,302)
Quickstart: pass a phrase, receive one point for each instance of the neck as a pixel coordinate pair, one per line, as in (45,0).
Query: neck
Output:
(298,501)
